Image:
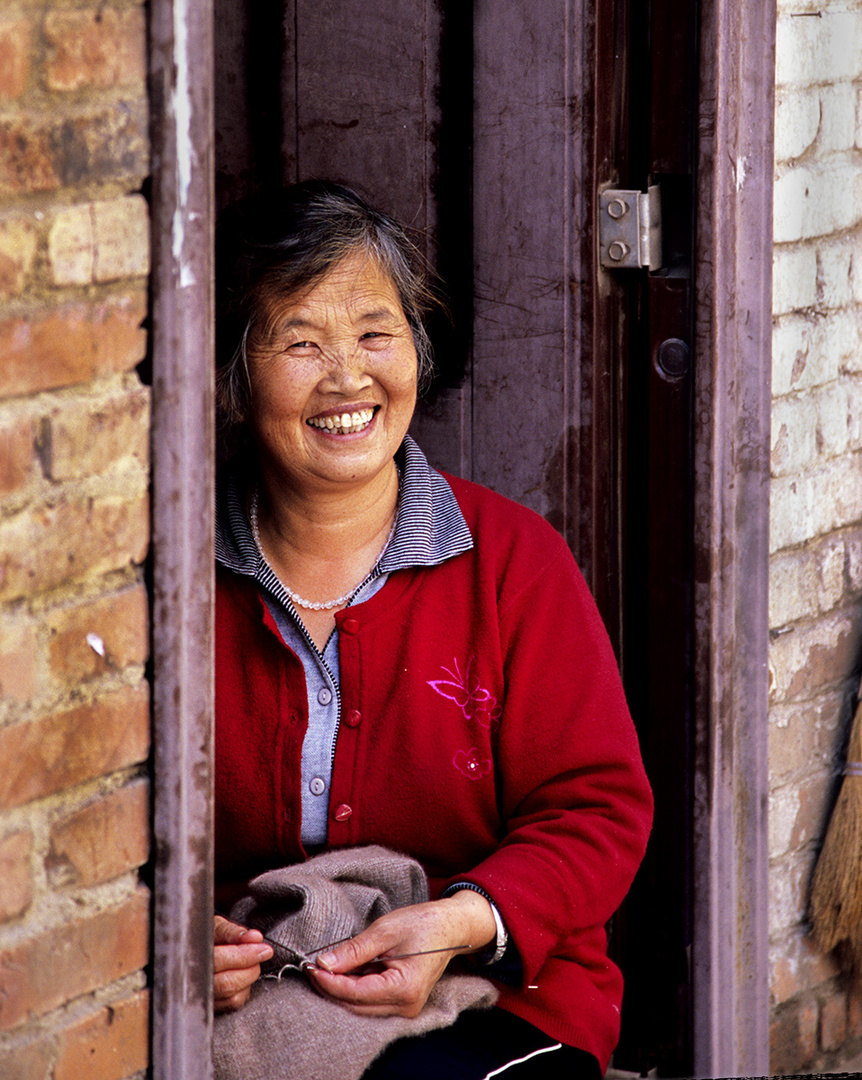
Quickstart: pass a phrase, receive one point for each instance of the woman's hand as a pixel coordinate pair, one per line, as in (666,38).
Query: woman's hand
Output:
(357,974)
(238,955)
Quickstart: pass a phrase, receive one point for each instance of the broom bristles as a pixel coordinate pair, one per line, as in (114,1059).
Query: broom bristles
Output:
(836,889)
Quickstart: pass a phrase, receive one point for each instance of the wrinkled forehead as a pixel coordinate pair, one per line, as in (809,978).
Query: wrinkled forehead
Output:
(355,288)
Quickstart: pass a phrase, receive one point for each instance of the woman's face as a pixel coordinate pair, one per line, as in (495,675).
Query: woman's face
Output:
(333,387)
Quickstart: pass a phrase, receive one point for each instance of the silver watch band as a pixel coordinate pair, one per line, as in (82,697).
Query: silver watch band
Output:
(494,952)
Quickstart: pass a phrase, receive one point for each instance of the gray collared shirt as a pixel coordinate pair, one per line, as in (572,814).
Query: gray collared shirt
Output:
(429,529)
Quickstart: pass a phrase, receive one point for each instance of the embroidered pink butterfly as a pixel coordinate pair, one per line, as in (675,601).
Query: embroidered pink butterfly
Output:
(471,765)
(474,701)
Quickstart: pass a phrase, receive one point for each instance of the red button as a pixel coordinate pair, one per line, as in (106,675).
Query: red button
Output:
(343,812)
(350,626)
(353,718)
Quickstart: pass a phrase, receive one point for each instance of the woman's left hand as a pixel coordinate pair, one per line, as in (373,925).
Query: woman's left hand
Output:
(360,977)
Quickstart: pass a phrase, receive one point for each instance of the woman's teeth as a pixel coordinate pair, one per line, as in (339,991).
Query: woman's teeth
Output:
(345,424)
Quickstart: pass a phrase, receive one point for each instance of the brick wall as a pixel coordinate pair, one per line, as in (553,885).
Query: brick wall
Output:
(74,520)
(816,503)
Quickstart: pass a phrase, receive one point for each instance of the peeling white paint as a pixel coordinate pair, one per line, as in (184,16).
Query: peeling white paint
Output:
(96,643)
(741,170)
(182,109)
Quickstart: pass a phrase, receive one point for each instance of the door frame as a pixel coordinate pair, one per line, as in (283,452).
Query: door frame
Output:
(732,450)
(183,582)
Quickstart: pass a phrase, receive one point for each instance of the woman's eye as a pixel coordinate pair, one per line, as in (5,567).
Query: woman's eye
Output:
(372,335)
(301,345)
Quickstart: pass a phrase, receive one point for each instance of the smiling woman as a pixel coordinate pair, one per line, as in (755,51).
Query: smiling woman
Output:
(333,392)
(382,642)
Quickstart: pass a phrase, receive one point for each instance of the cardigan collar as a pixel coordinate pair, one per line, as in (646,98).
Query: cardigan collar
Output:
(430,527)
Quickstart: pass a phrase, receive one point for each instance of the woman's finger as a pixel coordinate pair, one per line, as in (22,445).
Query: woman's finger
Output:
(371,975)
(226,932)
(237,947)
(237,955)
(399,988)
(227,957)
(232,1002)
(230,981)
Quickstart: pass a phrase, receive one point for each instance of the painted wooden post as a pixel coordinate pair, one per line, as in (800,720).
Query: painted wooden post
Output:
(734,329)
(183,455)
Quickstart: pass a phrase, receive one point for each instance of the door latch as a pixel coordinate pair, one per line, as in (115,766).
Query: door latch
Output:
(630,229)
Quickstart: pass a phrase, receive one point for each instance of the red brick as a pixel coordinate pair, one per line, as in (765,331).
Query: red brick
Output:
(17,662)
(833,1022)
(102,840)
(72,344)
(111,1045)
(825,652)
(799,732)
(56,966)
(793,1037)
(807,1030)
(809,823)
(121,233)
(785,982)
(16,454)
(816,967)
(28,1060)
(26,160)
(67,748)
(86,438)
(48,546)
(17,254)
(71,245)
(16,874)
(41,152)
(95,48)
(14,56)
(119,626)
(854,1013)
(100,241)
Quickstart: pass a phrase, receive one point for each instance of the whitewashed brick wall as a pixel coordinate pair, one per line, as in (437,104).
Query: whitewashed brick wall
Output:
(816,503)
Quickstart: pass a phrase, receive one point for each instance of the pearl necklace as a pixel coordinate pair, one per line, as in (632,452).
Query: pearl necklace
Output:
(315,605)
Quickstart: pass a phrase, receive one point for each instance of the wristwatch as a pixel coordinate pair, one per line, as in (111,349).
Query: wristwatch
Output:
(495,950)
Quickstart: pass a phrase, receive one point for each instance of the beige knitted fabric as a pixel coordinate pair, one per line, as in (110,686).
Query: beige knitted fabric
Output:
(286,1031)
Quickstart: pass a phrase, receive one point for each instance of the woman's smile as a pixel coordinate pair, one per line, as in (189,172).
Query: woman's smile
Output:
(345,423)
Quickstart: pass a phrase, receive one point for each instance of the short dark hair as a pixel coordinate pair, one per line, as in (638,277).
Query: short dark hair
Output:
(276,247)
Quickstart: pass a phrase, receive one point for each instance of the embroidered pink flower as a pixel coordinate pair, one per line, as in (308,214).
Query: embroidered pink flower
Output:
(474,701)
(486,710)
(471,765)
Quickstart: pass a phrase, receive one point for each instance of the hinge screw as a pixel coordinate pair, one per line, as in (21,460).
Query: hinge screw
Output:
(618,250)
(618,208)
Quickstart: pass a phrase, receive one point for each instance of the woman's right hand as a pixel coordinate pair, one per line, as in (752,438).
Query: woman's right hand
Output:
(238,955)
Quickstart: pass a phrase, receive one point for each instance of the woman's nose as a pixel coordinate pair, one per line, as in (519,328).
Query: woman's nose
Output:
(346,373)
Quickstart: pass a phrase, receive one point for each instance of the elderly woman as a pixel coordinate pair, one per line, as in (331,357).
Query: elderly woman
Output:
(410,660)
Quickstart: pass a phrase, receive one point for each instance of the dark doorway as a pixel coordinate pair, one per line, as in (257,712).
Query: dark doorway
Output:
(493,128)
(645,123)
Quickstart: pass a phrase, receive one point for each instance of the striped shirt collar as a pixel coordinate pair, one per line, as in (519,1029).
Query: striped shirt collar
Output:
(430,527)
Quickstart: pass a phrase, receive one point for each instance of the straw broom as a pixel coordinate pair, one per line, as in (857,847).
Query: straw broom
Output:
(836,889)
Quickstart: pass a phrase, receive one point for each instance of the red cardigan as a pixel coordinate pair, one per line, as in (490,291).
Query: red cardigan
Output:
(483,731)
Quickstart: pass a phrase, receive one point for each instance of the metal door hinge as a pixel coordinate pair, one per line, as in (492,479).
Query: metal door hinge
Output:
(630,228)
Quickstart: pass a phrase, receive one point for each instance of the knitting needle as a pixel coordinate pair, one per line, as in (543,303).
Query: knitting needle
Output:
(281,945)
(398,956)
(422,952)
(375,960)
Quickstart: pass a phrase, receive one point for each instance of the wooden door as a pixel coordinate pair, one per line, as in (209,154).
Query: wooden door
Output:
(493,127)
